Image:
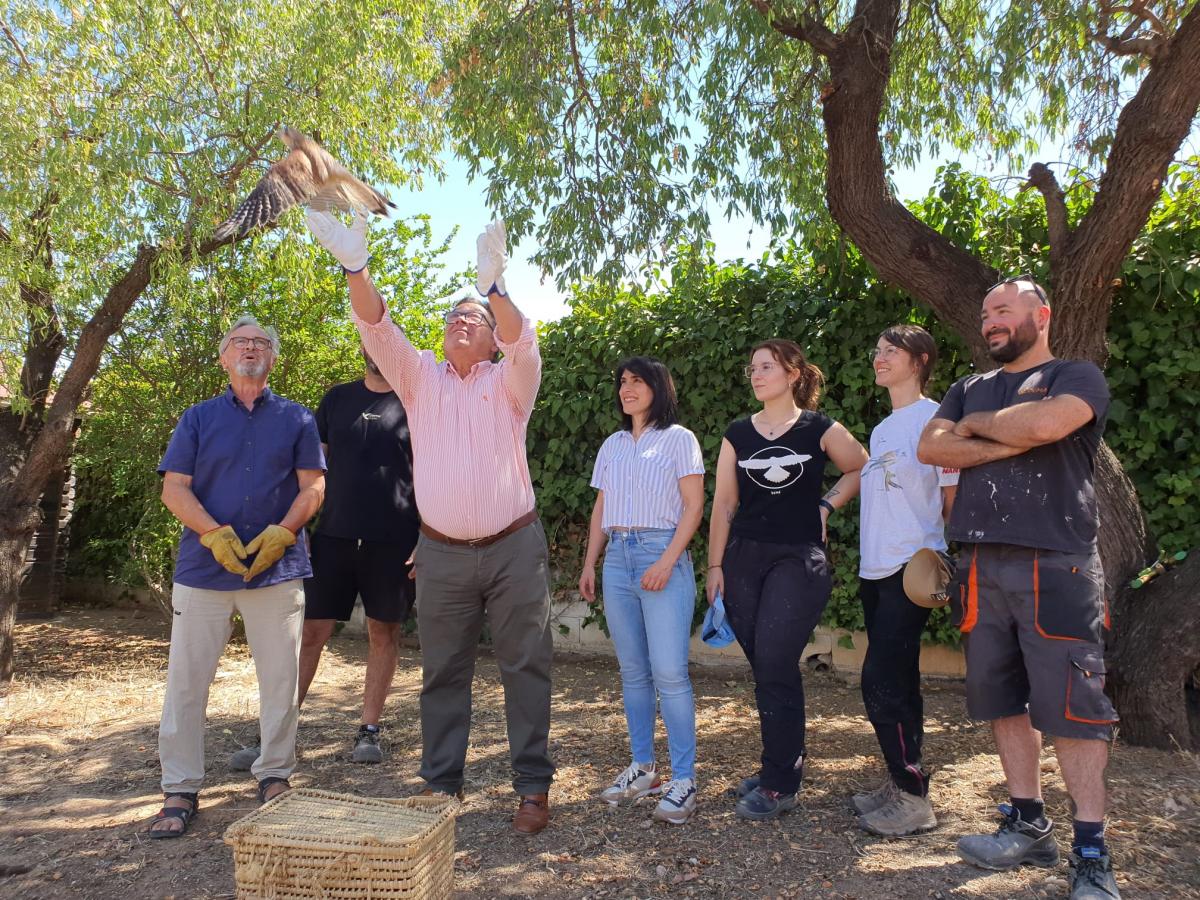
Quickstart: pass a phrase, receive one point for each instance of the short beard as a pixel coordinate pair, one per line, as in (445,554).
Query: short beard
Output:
(372,368)
(1019,341)
(251,370)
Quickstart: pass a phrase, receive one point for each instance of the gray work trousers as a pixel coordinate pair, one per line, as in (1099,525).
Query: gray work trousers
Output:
(509,581)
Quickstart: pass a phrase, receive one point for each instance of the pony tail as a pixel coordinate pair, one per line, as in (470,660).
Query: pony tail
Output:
(807,389)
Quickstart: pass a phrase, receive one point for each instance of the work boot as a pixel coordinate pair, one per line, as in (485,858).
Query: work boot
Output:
(631,785)
(1092,875)
(762,804)
(1015,843)
(745,786)
(877,798)
(904,814)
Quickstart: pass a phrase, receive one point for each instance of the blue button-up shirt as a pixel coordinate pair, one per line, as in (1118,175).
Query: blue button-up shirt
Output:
(243,465)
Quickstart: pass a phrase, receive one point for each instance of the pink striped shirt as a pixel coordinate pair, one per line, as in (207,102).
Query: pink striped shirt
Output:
(470,474)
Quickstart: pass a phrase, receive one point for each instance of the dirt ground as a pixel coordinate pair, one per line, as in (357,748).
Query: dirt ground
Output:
(79,780)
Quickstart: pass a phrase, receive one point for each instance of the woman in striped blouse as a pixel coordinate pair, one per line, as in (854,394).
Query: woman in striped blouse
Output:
(650,479)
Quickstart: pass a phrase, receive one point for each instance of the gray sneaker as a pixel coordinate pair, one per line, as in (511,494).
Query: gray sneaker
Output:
(866,803)
(1015,843)
(1092,876)
(366,746)
(242,760)
(904,814)
(761,804)
(631,785)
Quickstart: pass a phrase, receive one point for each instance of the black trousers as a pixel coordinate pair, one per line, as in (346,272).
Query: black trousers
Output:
(774,597)
(891,678)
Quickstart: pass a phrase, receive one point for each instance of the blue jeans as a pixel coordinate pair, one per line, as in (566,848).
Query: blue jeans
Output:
(650,630)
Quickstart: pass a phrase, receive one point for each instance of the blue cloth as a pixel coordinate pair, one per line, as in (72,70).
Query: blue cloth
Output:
(715,630)
(243,466)
(650,631)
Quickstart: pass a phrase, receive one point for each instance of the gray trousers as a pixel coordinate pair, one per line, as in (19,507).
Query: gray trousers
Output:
(509,581)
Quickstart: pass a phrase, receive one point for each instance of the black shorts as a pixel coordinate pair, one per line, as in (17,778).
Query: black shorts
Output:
(1034,623)
(345,568)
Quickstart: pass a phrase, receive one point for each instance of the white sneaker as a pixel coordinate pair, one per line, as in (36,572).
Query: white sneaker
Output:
(631,785)
(678,802)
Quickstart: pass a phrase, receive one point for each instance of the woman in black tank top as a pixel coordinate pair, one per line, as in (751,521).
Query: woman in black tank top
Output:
(766,548)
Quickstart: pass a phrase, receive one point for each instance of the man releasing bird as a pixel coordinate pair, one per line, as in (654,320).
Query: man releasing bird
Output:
(309,176)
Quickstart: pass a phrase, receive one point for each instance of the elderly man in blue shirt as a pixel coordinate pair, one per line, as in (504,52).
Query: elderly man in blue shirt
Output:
(243,472)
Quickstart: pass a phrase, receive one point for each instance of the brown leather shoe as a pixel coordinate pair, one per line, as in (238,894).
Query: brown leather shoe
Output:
(434,792)
(532,815)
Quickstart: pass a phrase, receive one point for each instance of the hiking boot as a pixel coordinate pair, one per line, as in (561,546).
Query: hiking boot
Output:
(761,804)
(631,785)
(678,802)
(242,760)
(866,803)
(1015,843)
(366,745)
(904,814)
(1092,875)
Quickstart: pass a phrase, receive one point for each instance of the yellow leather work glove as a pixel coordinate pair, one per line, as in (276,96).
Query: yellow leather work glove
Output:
(226,548)
(269,545)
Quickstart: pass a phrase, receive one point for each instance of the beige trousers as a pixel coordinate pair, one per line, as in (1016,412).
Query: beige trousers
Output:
(200,628)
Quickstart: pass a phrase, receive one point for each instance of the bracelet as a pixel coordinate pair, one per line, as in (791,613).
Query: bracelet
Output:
(825,503)
(717,566)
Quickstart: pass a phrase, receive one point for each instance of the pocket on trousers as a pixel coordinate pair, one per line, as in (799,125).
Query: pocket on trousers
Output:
(1086,700)
(1068,601)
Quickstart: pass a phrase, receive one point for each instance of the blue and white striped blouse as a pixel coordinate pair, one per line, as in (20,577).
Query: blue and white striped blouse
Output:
(640,479)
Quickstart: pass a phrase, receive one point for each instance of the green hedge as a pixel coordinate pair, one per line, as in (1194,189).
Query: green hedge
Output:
(827,299)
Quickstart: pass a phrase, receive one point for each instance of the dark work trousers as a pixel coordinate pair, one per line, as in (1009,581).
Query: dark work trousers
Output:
(456,586)
(774,597)
(891,678)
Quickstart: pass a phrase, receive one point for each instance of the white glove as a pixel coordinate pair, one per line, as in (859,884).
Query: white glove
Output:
(491,248)
(348,245)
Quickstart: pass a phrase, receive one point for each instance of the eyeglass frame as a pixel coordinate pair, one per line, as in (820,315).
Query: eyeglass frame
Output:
(1027,276)
(748,371)
(471,317)
(241,342)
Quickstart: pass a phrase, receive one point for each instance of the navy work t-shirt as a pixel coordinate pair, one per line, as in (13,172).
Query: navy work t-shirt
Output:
(1044,497)
(369,485)
(779,480)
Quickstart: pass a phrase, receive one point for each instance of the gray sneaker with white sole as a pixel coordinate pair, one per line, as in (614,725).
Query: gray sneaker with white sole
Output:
(1015,843)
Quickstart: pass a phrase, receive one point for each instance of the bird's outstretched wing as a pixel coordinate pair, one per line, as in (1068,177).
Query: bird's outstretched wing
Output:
(307,175)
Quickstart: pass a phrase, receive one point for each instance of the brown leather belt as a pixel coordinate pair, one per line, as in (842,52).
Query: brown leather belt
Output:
(516,525)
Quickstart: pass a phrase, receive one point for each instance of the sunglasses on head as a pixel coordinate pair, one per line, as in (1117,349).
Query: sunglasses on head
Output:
(1027,276)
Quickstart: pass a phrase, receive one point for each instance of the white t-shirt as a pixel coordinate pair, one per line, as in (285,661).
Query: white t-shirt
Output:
(901,497)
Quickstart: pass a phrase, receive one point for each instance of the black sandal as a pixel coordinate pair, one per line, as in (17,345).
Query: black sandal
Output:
(174,812)
(266,783)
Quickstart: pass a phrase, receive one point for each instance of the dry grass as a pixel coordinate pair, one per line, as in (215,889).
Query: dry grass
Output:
(78,779)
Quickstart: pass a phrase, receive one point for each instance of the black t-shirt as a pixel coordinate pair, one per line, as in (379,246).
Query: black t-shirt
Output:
(1044,497)
(779,480)
(369,485)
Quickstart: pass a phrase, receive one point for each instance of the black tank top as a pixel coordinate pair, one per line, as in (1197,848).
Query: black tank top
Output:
(779,480)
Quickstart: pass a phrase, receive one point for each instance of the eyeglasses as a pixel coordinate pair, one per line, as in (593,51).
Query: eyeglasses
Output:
(473,319)
(241,343)
(888,352)
(1028,276)
(761,369)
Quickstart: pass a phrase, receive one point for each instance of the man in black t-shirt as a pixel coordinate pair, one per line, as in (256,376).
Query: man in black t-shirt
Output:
(362,542)
(1029,590)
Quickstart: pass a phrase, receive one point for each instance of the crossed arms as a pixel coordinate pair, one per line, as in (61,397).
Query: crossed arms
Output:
(983,437)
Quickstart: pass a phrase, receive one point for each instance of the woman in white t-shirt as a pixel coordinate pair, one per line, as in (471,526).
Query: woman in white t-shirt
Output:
(904,505)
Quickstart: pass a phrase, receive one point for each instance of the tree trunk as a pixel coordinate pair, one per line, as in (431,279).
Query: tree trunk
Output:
(34,458)
(1152,665)
(1084,261)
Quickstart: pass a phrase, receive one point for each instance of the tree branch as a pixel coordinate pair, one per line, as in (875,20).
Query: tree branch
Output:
(1043,180)
(1126,44)
(807,28)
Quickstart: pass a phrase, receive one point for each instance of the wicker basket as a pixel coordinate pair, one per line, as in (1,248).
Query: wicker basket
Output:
(317,844)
